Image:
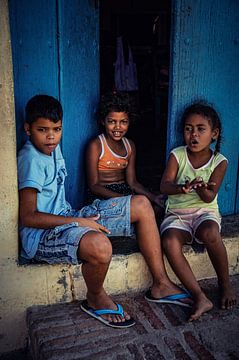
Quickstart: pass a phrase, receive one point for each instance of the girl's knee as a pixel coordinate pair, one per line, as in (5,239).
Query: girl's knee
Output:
(99,248)
(171,242)
(141,203)
(166,244)
(209,235)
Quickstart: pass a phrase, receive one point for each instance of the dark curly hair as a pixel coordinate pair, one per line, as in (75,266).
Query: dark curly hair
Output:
(207,111)
(43,106)
(117,102)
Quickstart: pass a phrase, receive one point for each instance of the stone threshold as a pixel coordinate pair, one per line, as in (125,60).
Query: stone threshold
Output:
(128,271)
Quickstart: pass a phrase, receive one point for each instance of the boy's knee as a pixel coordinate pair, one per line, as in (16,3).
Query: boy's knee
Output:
(102,249)
(99,248)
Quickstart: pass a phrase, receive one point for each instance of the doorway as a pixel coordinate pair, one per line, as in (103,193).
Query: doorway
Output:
(145,27)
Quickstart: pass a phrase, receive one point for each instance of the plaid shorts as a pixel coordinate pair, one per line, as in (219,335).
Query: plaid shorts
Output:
(59,245)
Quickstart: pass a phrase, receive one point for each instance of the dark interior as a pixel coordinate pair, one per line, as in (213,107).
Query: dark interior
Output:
(145,26)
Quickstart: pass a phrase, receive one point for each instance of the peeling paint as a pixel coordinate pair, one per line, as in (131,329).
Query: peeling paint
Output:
(63,281)
(72,286)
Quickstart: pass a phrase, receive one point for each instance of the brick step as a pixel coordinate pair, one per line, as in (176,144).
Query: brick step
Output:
(64,332)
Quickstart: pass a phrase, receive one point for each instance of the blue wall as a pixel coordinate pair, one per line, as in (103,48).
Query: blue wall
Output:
(79,86)
(55,48)
(205,53)
(56,51)
(35,53)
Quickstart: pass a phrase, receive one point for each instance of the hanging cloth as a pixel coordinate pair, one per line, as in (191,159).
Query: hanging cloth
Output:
(125,72)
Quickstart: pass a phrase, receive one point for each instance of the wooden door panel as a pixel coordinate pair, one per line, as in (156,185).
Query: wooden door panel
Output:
(205,52)
(79,86)
(35,53)
(55,46)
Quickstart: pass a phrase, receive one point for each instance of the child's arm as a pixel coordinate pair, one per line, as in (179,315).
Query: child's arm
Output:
(92,157)
(133,182)
(168,185)
(208,191)
(31,217)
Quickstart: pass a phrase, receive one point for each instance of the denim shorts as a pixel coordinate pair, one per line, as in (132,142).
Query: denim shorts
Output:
(189,220)
(59,245)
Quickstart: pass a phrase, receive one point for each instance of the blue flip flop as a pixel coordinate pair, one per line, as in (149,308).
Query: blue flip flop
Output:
(170,299)
(97,315)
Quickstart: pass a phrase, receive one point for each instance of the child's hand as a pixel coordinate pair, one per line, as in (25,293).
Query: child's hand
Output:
(187,187)
(196,184)
(91,222)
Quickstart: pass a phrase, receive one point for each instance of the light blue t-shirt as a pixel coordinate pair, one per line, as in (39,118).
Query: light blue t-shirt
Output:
(46,174)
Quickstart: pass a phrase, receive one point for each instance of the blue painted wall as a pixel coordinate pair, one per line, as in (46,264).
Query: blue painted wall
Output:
(205,53)
(55,51)
(55,48)
(79,86)
(35,53)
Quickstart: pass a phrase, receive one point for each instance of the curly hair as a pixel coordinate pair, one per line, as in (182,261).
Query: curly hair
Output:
(207,111)
(115,102)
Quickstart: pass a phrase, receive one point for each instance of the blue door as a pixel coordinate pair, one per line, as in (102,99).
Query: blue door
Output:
(205,53)
(35,54)
(55,51)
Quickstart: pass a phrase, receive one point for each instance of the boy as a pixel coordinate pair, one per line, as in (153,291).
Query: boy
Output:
(51,231)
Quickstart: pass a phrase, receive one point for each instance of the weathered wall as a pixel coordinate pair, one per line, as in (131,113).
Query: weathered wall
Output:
(24,286)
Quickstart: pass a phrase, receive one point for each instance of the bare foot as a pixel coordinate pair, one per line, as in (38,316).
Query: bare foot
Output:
(103,301)
(228,297)
(201,305)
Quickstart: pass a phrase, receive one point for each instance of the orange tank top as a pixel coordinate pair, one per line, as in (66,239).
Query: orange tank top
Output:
(109,160)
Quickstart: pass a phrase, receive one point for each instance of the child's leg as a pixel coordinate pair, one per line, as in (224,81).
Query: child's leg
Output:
(208,233)
(173,240)
(142,215)
(96,251)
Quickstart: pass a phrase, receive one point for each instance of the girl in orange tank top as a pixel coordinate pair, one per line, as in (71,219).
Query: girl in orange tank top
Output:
(110,157)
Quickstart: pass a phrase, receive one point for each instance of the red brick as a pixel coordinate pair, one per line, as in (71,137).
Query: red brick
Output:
(176,348)
(149,314)
(197,347)
(139,328)
(102,354)
(152,353)
(133,349)
(171,316)
(89,349)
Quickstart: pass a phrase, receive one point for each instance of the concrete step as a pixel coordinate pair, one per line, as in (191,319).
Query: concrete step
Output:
(129,273)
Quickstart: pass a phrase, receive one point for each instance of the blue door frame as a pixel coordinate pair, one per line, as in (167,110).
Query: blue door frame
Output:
(205,53)
(55,48)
